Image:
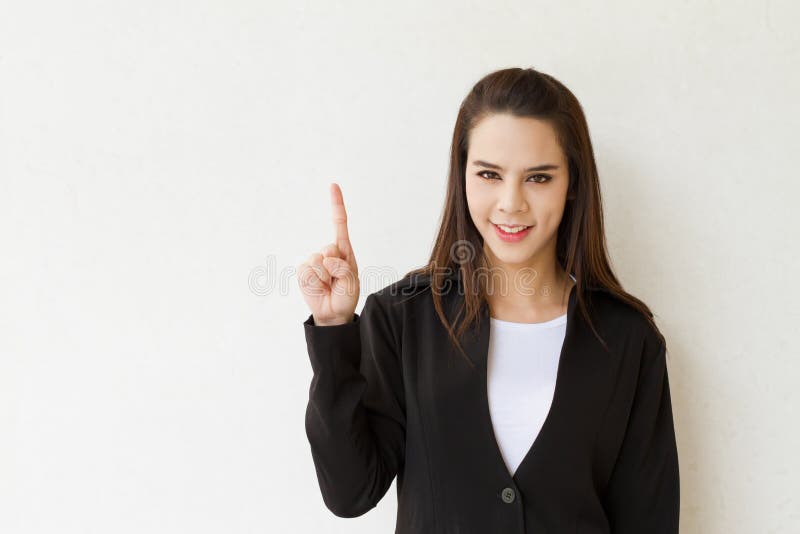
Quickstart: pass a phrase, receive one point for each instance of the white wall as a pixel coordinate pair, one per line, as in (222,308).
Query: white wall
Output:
(161,161)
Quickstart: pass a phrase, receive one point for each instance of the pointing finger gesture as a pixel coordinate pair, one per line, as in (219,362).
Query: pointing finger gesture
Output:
(329,279)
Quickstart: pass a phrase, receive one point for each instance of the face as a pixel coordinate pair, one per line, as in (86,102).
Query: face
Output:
(516,174)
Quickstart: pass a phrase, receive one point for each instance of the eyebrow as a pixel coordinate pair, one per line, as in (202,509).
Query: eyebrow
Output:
(544,167)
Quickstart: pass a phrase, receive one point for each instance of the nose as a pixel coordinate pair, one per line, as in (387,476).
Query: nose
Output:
(512,199)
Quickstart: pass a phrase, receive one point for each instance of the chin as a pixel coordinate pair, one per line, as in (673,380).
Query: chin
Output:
(517,257)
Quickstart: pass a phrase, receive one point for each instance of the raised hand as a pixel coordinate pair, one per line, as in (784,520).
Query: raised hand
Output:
(329,279)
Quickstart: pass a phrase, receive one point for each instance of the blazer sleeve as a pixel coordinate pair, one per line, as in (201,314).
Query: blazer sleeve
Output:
(643,493)
(355,418)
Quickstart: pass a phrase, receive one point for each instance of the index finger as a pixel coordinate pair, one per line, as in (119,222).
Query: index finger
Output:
(340,219)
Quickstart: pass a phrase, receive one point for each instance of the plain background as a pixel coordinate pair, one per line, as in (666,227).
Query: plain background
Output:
(165,166)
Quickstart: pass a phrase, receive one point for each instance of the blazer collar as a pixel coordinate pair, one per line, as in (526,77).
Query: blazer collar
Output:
(475,340)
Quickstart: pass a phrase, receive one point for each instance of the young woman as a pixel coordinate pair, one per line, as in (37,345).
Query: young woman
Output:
(511,385)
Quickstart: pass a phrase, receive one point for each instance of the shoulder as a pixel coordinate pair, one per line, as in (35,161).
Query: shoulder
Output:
(640,343)
(623,318)
(412,295)
(414,284)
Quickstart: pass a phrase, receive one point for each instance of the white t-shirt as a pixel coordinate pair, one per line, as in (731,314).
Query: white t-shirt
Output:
(522,365)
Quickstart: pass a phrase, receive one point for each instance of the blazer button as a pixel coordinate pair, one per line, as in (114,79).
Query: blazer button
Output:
(507,495)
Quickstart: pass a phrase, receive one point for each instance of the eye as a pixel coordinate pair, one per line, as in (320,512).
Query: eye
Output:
(482,174)
(544,178)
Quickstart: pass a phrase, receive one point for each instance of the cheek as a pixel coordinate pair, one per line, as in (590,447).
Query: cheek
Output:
(476,201)
(552,212)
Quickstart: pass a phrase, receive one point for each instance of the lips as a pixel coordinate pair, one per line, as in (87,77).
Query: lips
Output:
(515,225)
(509,237)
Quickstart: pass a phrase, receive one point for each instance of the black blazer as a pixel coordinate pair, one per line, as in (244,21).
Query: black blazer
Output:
(390,396)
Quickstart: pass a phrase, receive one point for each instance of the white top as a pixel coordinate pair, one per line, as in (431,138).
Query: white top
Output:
(522,365)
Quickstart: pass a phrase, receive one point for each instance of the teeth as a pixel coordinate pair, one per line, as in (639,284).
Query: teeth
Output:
(511,230)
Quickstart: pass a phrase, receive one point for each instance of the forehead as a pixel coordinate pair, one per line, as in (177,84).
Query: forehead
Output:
(510,138)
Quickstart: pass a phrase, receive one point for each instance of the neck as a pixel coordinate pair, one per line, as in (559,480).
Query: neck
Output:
(528,293)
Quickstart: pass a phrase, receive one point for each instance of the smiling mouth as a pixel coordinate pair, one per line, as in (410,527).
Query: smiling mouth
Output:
(518,227)
(512,237)
(508,224)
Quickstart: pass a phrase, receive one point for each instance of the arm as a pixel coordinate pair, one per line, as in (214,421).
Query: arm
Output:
(643,493)
(355,419)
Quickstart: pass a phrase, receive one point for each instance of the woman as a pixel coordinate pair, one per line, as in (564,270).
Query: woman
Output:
(511,385)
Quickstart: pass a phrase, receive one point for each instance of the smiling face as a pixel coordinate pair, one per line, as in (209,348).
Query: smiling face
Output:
(516,174)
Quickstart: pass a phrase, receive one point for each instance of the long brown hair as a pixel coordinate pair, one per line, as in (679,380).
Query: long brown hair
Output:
(581,244)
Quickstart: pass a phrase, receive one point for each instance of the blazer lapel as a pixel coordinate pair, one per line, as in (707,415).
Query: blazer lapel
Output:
(475,342)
